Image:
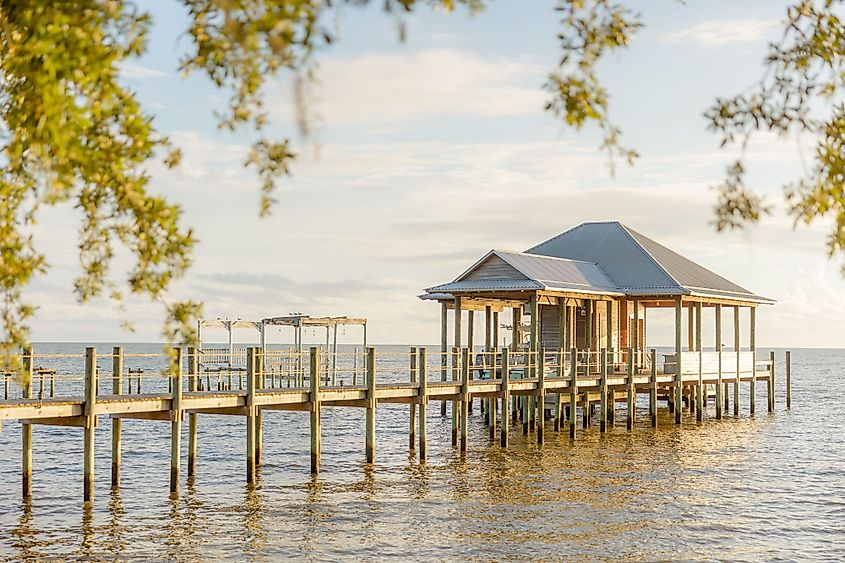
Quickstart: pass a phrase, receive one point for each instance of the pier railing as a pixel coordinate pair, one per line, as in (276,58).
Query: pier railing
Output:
(521,386)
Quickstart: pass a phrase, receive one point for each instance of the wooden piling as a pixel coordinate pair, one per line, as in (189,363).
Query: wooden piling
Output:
(719,384)
(444,349)
(770,388)
(561,365)
(423,401)
(752,391)
(699,388)
(316,441)
(176,420)
(250,415)
(90,399)
(679,385)
(26,429)
(412,430)
(632,395)
(605,369)
(653,389)
(541,397)
(193,386)
(788,379)
(259,417)
(117,388)
(505,398)
(370,452)
(465,398)
(736,349)
(573,392)
(456,376)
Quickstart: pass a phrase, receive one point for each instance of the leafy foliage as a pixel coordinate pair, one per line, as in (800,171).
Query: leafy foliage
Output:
(801,94)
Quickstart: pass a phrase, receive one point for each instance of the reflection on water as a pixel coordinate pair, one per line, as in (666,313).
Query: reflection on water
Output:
(762,488)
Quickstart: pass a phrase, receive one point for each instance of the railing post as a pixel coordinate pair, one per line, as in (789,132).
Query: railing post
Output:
(316,434)
(423,401)
(370,454)
(26,429)
(573,392)
(90,422)
(506,369)
(117,388)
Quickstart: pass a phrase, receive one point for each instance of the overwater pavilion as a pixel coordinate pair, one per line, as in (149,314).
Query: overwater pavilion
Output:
(592,288)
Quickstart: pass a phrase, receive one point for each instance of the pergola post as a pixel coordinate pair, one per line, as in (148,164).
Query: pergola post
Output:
(334,356)
(679,386)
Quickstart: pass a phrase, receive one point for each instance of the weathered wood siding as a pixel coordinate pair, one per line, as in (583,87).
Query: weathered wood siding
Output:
(494,268)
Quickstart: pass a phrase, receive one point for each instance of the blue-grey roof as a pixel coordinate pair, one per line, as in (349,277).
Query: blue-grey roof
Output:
(639,266)
(515,271)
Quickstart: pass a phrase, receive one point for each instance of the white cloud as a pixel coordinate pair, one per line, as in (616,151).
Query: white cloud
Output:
(138,72)
(724,32)
(378,88)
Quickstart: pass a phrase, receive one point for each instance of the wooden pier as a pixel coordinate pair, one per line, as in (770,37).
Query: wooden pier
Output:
(515,389)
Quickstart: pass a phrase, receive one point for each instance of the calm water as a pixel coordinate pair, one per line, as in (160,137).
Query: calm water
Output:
(763,488)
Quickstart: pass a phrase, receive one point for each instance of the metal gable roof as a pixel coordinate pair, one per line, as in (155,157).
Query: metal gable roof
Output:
(531,272)
(637,264)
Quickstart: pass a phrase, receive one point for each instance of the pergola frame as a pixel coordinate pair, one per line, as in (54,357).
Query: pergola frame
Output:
(229,325)
(298,322)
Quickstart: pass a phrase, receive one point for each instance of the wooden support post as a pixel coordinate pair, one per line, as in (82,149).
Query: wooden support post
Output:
(456,376)
(90,423)
(541,397)
(605,371)
(456,368)
(719,385)
(194,382)
(788,379)
(471,346)
(588,336)
(679,385)
(506,369)
(573,392)
(334,356)
(770,388)
(690,328)
(632,395)
(653,389)
(636,347)
(561,364)
(585,410)
(370,454)
(465,399)
(752,391)
(699,388)
(316,435)
(736,348)
(444,349)
(26,429)
(412,408)
(117,388)
(259,417)
(529,418)
(250,416)
(423,399)
(175,419)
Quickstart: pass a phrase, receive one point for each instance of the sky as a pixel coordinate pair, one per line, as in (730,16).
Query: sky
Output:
(427,153)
